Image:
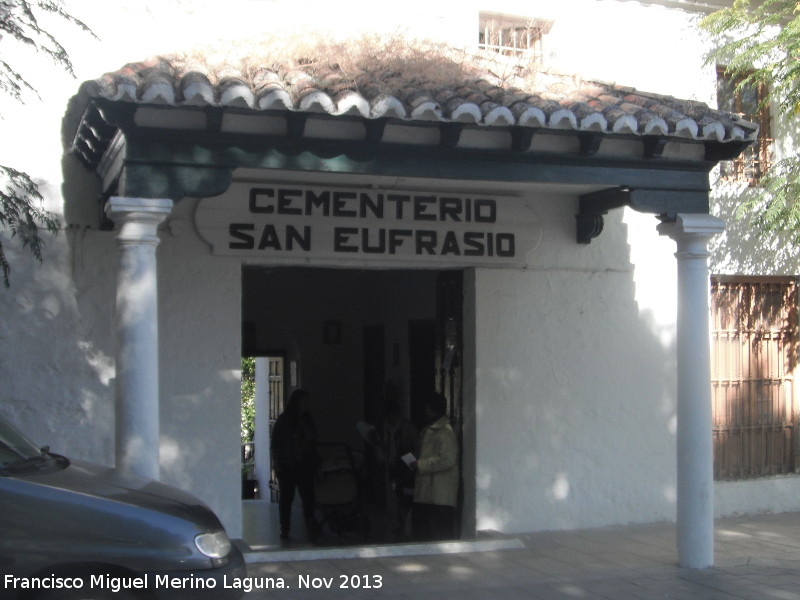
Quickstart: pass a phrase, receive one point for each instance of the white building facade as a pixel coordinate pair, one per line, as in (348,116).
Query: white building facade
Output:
(200,225)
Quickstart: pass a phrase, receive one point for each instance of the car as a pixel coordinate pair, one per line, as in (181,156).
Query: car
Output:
(73,530)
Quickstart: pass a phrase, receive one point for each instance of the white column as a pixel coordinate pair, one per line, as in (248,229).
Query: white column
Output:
(261,436)
(694,436)
(137,428)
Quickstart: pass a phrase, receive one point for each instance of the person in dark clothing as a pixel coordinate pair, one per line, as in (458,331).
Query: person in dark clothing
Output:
(295,459)
(400,437)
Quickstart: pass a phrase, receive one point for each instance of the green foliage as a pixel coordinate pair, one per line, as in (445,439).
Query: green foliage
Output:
(21,213)
(759,44)
(20,200)
(248,399)
(18,18)
(774,205)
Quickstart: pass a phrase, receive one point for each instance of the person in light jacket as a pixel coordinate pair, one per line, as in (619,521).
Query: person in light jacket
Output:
(433,515)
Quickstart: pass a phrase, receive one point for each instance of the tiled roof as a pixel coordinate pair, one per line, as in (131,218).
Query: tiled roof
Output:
(549,101)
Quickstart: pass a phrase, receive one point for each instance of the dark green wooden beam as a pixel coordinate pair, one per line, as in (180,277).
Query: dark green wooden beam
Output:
(149,156)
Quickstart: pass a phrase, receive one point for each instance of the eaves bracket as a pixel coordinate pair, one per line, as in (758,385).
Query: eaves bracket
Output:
(666,204)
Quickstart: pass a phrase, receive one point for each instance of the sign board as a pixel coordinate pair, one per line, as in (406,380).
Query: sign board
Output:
(326,225)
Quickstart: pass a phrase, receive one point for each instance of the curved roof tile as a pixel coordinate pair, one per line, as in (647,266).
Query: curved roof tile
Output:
(496,115)
(563,118)
(235,93)
(387,106)
(274,98)
(527,115)
(196,89)
(547,101)
(463,110)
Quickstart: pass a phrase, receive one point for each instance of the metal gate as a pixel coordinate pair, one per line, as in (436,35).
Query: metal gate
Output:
(754,355)
(275,381)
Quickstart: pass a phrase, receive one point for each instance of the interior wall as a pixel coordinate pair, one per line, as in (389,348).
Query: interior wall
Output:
(289,308)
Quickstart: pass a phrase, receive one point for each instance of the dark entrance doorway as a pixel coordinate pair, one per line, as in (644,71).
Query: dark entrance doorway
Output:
(422,366)
(353,338)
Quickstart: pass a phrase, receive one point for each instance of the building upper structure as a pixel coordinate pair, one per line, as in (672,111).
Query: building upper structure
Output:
(443,88)
(568,353)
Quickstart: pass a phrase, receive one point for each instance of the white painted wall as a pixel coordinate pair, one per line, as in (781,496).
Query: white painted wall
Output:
(570,366)
(574,356)
(200,356)
(56,353)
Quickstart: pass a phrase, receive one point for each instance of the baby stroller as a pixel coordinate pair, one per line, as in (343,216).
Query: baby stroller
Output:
(337,491)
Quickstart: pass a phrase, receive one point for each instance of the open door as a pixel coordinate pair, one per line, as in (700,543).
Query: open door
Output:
(435,348)
(449,354)
(436,363)
(449,318)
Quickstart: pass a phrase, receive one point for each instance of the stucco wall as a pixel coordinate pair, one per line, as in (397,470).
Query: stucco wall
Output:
(573,356)
(571,369)
(769,495)
(57,366)
(56,355)
(200,362)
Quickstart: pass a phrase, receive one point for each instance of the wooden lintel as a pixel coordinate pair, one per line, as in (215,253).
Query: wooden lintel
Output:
(373,130)
(668,203)
(602,201)
(93,120)
(214,119)
(589,226)
(521,138)
(118,115)
(654,146)
(450,134)
(717,151)
(665,203)
(654,201)
(590,142)
(295,125)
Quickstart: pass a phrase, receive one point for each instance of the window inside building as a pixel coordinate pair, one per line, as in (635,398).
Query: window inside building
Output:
(754,347)
(748,102)
(511,35)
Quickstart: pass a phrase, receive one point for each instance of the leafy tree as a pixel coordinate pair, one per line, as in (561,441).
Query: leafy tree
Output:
(248,399)
(21,210)
(759,43)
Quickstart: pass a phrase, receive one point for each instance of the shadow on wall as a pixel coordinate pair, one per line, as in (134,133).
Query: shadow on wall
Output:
(596,440)
(744,248)
(56,355)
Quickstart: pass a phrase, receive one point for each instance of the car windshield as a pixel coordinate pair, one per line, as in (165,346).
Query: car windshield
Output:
(15,448)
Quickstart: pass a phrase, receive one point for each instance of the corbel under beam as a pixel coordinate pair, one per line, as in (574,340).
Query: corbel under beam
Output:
(665,204)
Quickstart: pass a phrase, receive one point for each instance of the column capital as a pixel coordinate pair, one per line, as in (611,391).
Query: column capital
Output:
(121,205)
(138,218)
(695,225)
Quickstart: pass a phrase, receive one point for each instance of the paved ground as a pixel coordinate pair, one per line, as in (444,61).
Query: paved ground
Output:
(756,558)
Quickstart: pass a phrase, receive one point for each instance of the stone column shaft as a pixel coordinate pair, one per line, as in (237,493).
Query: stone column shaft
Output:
(137,402)
(695,515)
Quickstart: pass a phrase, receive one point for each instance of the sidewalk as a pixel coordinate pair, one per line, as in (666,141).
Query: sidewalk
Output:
(756,558)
